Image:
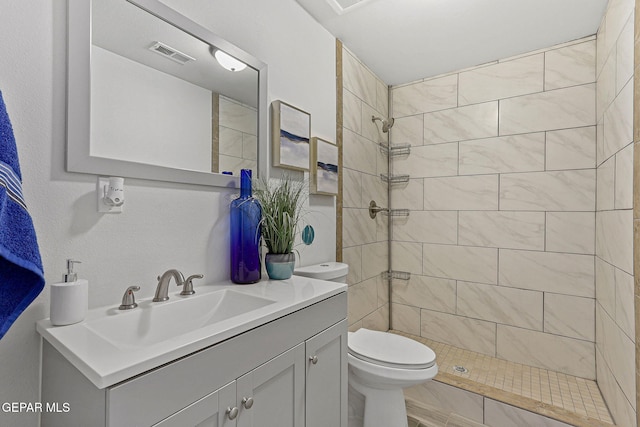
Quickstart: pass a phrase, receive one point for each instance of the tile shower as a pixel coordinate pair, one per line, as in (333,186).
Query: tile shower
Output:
(520,235)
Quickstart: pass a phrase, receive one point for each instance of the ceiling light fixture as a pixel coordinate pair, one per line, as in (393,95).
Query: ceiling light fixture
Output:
(229,62)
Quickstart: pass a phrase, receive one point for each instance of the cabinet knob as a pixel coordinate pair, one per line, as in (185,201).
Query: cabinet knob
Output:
(313,359)
(247,402)
(232,413)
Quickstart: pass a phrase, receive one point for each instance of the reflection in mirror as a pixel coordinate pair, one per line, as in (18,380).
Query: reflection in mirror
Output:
(159,96)
(149,99)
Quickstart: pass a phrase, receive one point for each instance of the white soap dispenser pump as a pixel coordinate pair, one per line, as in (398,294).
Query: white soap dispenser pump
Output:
(70,298)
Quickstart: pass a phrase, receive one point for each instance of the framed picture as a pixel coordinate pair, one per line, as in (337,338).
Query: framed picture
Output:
(291,133)
(324,167)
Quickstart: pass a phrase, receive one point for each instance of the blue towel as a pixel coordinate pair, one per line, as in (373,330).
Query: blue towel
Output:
(21,275)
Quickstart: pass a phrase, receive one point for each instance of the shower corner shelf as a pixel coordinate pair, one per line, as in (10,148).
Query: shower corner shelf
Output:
(395,149)
(394,274)
(394,179)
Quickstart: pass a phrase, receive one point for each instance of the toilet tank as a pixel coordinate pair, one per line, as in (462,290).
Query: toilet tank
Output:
(331,271)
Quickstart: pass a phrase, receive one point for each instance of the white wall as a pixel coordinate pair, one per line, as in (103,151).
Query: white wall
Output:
(164,225)
(147,116)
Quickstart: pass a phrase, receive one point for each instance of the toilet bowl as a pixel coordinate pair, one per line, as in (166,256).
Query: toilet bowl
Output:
(381,365)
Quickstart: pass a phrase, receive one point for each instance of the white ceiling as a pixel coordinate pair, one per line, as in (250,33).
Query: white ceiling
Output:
(406,40)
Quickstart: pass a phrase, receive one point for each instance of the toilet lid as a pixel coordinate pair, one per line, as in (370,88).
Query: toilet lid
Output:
(391,350)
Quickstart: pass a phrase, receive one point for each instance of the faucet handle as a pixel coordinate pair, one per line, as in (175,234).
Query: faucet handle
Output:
(187,288)
(128,299)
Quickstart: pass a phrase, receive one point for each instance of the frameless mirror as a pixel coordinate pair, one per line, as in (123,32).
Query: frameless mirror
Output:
(151,96)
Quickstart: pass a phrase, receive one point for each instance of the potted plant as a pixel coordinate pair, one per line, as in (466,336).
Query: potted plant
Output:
(281,200)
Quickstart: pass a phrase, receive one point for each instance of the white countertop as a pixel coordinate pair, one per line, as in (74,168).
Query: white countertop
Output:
(105,362)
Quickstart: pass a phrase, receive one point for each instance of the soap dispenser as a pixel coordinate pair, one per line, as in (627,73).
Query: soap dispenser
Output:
(70,298)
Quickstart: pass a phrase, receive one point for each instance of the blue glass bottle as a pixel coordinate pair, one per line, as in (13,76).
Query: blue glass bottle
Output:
(246,213)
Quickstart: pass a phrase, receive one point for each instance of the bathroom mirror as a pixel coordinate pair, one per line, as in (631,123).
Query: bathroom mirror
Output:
(149,96)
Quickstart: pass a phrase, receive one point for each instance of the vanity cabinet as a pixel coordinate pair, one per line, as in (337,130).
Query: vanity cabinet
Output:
(291,371)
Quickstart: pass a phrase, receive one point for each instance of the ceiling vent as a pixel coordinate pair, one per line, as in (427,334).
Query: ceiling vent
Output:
(344,6)
(171,53)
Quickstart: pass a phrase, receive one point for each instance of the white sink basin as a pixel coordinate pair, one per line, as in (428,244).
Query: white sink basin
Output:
(152,322)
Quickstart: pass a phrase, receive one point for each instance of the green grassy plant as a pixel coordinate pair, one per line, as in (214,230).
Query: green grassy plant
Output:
(281,201)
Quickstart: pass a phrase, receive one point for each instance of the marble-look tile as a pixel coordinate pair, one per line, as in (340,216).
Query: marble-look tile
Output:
(514,153)
(373,188)
(605,185)
(238,116)
(624,55)
(619,354)
(230,142)
(405,318)
(569,316)
(378,320)
(606,286)
(362,300)
(383,292)
(625,312)
(426,292)
(601,54)
(466,263)
(571,232)
(621,410)
(374,259)
(352,188)
(407,256)
(249,146)
(448,398)
(382,97)
(515,230)
(556,109)
(425,96)
(429,161)
(409,195)
(570,66)
(618,122)
(463,123)
(549,191)
(515,307)
(548,271)
(358,79)
(427,227)
(461,193)
(498,414)
(357,227)
(351,112)
(370,129)
(566,355)
(230,163)
(624,178)
(614,238)
(600,142)
(353,258)
(606,86)
(571,148)
(470,334)
(382,228)
(618,12)
(503,80)
(358,153)
(408,130)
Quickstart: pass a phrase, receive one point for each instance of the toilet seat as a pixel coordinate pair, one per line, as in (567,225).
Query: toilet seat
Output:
(390,350)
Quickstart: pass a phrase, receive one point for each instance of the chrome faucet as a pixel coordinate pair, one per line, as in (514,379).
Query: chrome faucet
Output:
(162,291)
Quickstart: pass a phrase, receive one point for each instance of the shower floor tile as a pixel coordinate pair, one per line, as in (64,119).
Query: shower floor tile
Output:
(576,400)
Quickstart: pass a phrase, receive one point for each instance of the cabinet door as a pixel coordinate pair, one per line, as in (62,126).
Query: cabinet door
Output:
(213,410)
(272,395)
(326,403)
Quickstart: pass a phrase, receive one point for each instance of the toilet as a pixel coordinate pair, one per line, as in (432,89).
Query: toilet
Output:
(381,365)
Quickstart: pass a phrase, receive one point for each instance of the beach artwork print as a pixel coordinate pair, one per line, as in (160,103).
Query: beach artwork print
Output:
(324,173)
(291,134)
